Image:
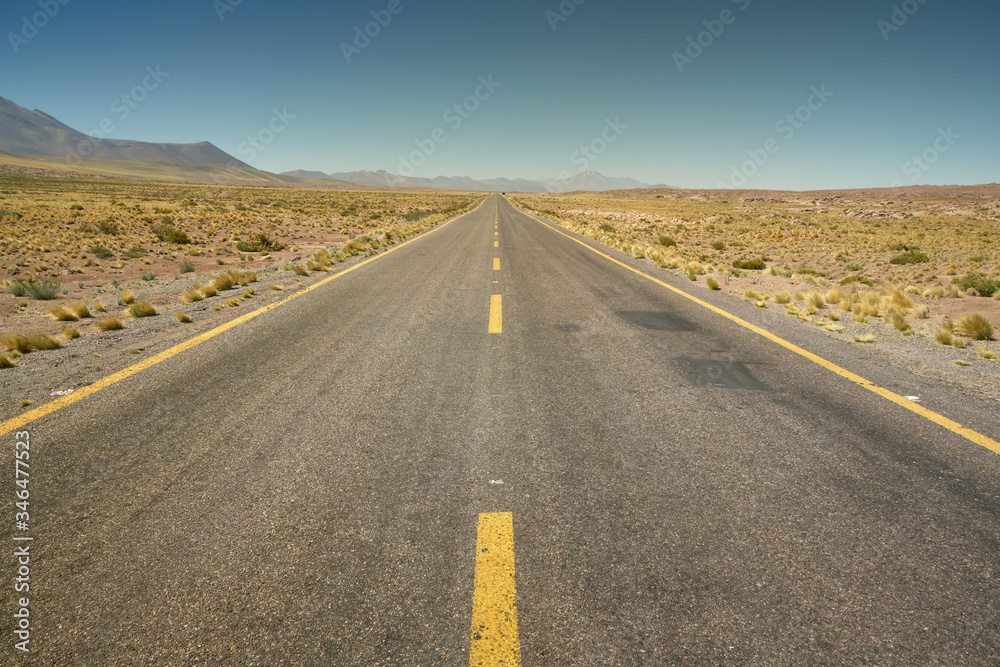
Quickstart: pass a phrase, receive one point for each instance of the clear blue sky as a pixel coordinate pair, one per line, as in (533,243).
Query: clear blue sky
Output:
(893,91)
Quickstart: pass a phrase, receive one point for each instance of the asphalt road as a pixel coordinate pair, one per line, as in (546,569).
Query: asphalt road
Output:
(305,488)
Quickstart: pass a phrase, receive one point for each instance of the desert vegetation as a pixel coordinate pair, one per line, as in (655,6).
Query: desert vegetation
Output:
(100,253)
(916,262)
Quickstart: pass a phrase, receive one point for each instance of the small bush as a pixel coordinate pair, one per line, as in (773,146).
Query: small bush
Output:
(148,275)
(910,257)
(187,266)
(183,318)
(605,227)
(857,280)
(18,288)
(986,353)
(666,241)
(42,290)
(300,270)
(100,252)
(751,264)
(110,324)
(712,283)
(983,285)
(109,227)
(974,326)
(223,282)
(944,337)
(142,309)
(719,245)
(127,297)
(782,297)
(260,242)
(135,252)
(70,333)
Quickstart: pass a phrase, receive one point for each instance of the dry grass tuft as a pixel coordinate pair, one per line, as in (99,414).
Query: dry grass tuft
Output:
(712,283)
(190,296)
(99,307)
(183,318)
(5,362)
(70,333)
(80,309)
(782,297)
(63,314)
(110,324)
(898,321)
(25,344)
(975,326)
(142,309)
(127,297)
(864,338)
(986,353)
(232,303)
(277,288)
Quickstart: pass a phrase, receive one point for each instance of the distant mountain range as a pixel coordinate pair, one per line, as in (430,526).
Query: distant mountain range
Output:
(587,180)
(34,139)
(35,132)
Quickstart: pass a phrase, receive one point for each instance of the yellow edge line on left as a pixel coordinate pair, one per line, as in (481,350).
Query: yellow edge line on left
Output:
(103,383)
(938,419)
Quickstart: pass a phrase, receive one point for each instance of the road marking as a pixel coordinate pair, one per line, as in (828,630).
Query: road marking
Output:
(496,244)
(940,420)
(496,233)
(496,314)
(496,263)
(494,639)
(103,383)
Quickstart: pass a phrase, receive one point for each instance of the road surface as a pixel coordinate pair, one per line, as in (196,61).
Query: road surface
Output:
(309,487)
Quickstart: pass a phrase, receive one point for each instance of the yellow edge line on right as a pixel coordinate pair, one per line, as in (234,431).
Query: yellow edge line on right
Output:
(938,419)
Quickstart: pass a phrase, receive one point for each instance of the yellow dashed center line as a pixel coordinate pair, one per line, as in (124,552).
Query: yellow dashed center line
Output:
(496,233)
(496,244)
(496,314)
(496,263)
(494,639)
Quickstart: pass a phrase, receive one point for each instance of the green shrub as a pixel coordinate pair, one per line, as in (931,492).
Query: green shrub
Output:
(668,242)
(148,275)
(719,245)
(100,252)
(18,288)
(857,280)
(187,266)
(984,285)
(750,264)
(260,242)
(910,257)
(135,252)
(109,227)
(42,290)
